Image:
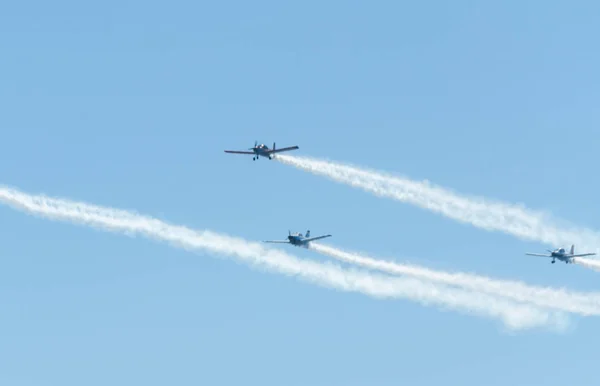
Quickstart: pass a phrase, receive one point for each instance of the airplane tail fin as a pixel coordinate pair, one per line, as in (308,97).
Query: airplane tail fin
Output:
(307,234)
(573,249)
(273,145)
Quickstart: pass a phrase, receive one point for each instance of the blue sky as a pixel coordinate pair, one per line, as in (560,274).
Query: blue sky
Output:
(130,104)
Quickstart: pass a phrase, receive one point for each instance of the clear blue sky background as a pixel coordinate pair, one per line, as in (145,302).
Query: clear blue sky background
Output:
(131,104)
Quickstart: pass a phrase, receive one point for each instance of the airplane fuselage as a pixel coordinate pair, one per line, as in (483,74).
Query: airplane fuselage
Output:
(298,241)
(262,151)
(561,255)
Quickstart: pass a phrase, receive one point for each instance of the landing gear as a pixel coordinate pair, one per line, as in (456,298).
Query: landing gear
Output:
(553,262)
(270,158)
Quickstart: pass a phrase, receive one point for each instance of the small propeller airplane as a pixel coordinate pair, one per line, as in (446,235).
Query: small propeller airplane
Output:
(297,239)
(262,150)
(561,255)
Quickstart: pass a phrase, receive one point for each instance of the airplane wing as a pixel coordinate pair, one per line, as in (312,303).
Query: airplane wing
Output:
(538,254)
(316,238)
(238,152)
(583,254)
(282,149)
(277,241)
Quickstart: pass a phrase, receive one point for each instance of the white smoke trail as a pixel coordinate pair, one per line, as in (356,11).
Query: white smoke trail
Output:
(559,299)
(483,213)
(593,264)
(515,316)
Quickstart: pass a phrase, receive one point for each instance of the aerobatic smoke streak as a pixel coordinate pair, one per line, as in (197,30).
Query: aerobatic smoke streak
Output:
(580,303)
(483,213)
(515,316)
(593,264)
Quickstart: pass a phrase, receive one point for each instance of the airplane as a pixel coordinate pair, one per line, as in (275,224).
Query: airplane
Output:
(297,239)
(262,150)
(561,255)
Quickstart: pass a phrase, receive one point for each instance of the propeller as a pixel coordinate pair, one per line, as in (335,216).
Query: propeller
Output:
(255,144)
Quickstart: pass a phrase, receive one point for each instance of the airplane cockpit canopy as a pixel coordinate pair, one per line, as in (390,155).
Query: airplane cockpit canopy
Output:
(561,250)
